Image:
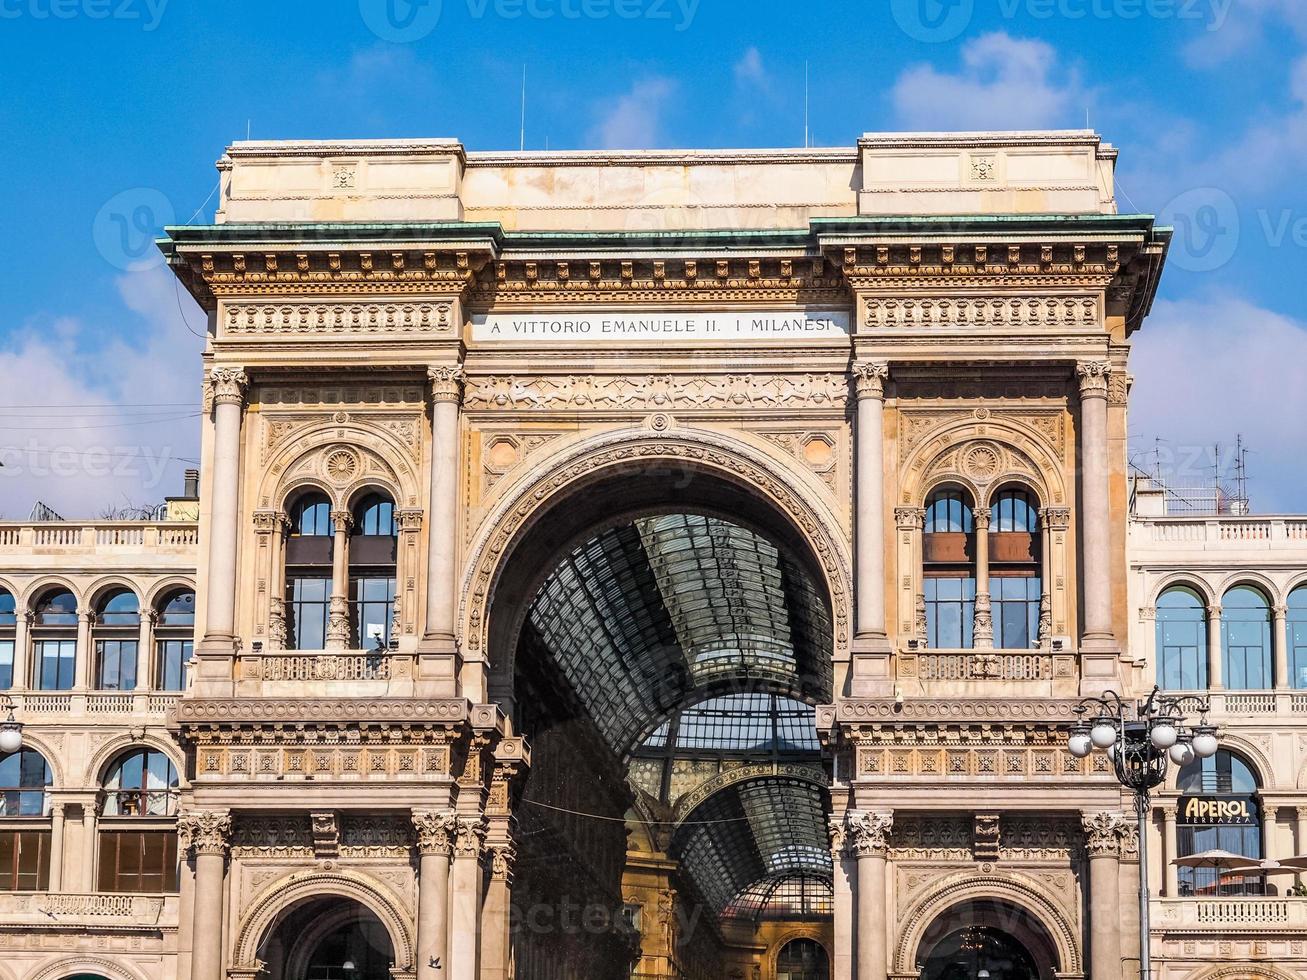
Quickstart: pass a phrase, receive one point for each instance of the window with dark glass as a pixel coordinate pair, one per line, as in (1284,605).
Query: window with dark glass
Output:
(1181,640)
(372,546)
(8,627)
(1014,569)
(1246,639)
(24,784)
(949,570)
(1224,775)
(308,572)
(117,633)
(141,783)
(25,844)
(1296,626)
(174,640)
(54,641)
(803,959)
(138,839)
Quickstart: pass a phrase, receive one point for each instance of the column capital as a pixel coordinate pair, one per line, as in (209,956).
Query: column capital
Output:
(1280,612)
(1093,377)
(1214,611)
(1057,518)
(1103,831)
(503,857)
(268,521)
(207,831)
(837,832)
(869,378)
(446,383)
(342,521)
(980,518)
(1300,812)
(869,832)
(470,837)
(910,518)
(225,386)
(436,831)
(409,519)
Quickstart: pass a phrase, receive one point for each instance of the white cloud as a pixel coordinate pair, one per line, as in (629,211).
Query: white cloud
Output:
(1003,83)
(634,120)
(84,460)
(1234,26)
(749,69)
(1211,368)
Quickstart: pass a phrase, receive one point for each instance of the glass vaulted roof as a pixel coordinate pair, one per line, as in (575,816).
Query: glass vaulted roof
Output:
(662,611)
(754,724)
(784,897)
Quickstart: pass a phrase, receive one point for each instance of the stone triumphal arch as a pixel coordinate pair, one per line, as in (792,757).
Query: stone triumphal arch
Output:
(659,565)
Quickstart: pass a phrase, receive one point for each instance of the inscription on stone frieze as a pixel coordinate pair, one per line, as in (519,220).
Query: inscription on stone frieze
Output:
(669,327)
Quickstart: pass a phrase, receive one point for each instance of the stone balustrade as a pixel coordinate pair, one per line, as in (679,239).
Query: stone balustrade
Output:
(1218,914)
(82,910)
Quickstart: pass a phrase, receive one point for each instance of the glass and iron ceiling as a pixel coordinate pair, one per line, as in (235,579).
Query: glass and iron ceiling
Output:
(668,610)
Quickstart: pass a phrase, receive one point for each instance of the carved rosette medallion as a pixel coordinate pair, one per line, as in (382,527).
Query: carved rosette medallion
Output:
(982,462)
(207,831)
(437,831)
(341,465)
(869,833)
(869,378)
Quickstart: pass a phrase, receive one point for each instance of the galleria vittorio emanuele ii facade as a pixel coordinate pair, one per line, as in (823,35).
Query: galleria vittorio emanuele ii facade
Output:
(654,565)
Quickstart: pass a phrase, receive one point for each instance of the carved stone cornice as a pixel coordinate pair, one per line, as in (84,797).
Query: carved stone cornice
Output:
(204,831)
(869,378)
(1032,265)
(446,383)
(1093,377)
(204,713)
(869,832)
(1102,832)
(225,386)
(436,831)
(470,836)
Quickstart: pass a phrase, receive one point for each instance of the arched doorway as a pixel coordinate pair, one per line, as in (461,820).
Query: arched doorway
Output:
(327,938)
(987,940)
(803,959)
(651,628)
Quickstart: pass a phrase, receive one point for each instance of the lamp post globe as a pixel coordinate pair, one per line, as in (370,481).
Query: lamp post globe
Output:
(11,738)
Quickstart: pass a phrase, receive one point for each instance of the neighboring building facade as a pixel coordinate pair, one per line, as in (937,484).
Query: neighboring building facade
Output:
(656,564)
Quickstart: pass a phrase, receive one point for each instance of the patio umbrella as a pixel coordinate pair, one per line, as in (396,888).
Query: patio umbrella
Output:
(1271,868)
(1298,862)
(1223,862)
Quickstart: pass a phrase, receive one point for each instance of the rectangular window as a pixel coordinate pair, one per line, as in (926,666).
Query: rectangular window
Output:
(373,608)
(1015,608)
(171,660)
(950,612)
(1246,841)
(6,664)
(1247,656)
(117,664)
(24,860)
(138,861)
(308,602)
(54,664)
(1298,653)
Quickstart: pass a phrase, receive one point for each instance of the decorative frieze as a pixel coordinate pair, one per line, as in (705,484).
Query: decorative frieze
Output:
(330,320)
(996,313)
(641,393)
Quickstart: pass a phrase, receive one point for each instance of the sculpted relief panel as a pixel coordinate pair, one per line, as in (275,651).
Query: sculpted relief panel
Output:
(340,320)
(652,392)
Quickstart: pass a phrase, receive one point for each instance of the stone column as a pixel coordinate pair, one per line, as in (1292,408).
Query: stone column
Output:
(1170,851)
(442,530)
(983,625)
(910,522)
(1300,835)
(870,498)
(270,616)
(436,833)
(90,838)
(1280,646)
(1045,636)
(225,395)
(465,899)
(1270,846)
(1095,506)
(496,937)
(1215,661)
(868,836)
(1102,841)
(143,645)
(56,846)
(338,616)
(842,903)
(21,651)
(82,658)
(207,832)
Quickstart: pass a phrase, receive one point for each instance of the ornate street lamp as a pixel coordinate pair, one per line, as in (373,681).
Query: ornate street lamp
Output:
(11,729)
(1142,739)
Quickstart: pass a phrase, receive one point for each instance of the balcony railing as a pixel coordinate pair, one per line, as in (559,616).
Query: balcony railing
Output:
(81,910)
(1256,704)
(1226,532)
(1218,914)
(100,537)
(81,703)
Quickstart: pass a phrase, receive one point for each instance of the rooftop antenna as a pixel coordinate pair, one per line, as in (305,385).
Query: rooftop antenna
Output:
(806,102)
(1241,471)
(247,130)
(522,139)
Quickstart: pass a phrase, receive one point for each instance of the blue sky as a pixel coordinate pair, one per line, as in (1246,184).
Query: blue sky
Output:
(114,111)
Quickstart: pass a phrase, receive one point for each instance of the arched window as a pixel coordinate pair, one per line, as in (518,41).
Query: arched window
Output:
(949,570)
(1296,626)
(803,959)
(25,780)
(174,637)
(117,633)
(1014,569)
(1246,639)
(308,572)
(372,547)
(1181,640)
(138,839)
(8,627)
(54,640)
(1227,778)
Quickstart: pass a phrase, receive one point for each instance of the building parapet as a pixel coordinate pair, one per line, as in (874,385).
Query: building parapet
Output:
(99,537)
(1174,536)
(1218,915)
(99,911)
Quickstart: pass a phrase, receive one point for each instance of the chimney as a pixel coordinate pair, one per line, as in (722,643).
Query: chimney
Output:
(187,506)
(192,486)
